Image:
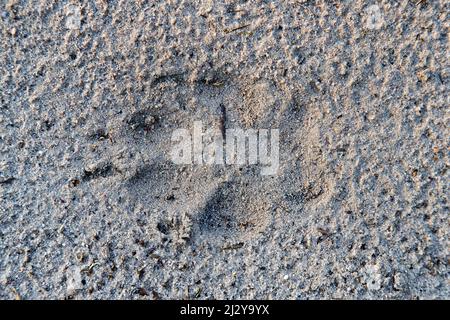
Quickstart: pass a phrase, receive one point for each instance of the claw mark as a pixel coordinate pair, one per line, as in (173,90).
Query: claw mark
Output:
(177,77)
(237,28)
(7,180)
(223,119)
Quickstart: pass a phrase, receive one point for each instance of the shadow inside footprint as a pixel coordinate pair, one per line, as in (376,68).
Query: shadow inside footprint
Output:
(152,182)
(234,210)
(217,215)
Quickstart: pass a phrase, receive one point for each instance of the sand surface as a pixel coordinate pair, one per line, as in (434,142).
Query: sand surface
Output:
(91,205)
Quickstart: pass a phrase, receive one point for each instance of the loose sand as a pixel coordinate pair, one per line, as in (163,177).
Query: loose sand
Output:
(91,206)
